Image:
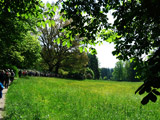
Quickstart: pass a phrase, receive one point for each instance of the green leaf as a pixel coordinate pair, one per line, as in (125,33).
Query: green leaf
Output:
(26,16)
(145,100)
(37,7)
(114,52)
(54,8)
(38,24)
(18,14)
(67,35)
(71,38)
(85,49)
(47,21)
(64,43)
(81,49)
(52,22)
(48,5)
(43,24)
(156,92)
(61,18)
(64,12)
(109,40)
(68,44)
(118,36)
(49,24)
(58,41)
(64,19)
(9,10)
(93,51)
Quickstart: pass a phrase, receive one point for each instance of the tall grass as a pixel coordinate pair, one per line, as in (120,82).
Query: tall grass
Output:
(41,98)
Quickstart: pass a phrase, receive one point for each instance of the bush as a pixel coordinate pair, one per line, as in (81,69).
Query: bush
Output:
(77,76)
(89,73)
(89,76)
(12,67)
(105,78)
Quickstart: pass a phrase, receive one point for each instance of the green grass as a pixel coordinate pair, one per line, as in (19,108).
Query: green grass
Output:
(40,98)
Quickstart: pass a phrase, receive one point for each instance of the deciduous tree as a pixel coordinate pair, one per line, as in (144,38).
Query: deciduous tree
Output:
(137,25)
(58,48)
(93,64)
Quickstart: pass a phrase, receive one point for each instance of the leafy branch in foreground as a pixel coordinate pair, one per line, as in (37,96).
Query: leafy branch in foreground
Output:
(137,24)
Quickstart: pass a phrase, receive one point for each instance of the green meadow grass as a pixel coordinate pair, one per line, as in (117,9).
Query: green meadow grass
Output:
(40,98)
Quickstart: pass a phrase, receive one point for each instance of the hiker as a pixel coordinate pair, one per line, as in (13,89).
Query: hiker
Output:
(7,78)
(1,76)
(12,76)
(20,73)
(1,88)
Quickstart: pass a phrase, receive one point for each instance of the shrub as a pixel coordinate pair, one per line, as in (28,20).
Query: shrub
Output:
(89,73)
(12,67)
(77,76)
(105,78)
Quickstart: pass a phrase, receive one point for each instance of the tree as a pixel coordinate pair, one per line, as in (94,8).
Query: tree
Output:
(124,70)
(17,18)
(129,72)
(75,62)
(30,51)
(58,56)
(106,73)
(93,64)
(23,54)
(137,26)
(58,48)
(118,71)
(137,22)
(89,73)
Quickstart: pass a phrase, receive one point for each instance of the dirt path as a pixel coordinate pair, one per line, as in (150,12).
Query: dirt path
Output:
(2,103)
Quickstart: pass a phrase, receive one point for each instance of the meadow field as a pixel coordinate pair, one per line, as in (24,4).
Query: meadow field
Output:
(41,98)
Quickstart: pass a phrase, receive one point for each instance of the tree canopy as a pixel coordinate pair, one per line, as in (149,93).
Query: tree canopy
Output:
(137,27)
(17,18)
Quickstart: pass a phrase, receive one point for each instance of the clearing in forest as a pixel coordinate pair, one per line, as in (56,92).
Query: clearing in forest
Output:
(60,99)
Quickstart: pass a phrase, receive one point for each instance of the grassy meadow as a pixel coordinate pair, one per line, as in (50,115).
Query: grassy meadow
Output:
(40,98)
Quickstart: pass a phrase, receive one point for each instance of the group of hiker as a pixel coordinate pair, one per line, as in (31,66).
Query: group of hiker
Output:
(6,77)
(36,73)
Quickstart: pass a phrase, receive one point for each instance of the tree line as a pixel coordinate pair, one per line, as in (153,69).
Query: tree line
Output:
(135,32)
(123,71)
(35,41)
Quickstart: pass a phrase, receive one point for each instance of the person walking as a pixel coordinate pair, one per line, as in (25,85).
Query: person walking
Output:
(8,75)
(20,73)
(1,88)
(12,76)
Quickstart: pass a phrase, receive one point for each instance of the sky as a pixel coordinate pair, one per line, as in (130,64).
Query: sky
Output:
(104,51)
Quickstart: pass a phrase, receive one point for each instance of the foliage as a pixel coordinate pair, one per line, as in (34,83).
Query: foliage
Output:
(24,53)
(118,71)
(93,64)
(136,24)
(89,73)
(60,99)
(76,75)
(30,50)
(59,51)
(124,71)
(16,18)
(106,73)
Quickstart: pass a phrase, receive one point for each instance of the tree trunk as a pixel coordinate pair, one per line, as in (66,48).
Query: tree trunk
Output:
(57,66)
(50,68)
